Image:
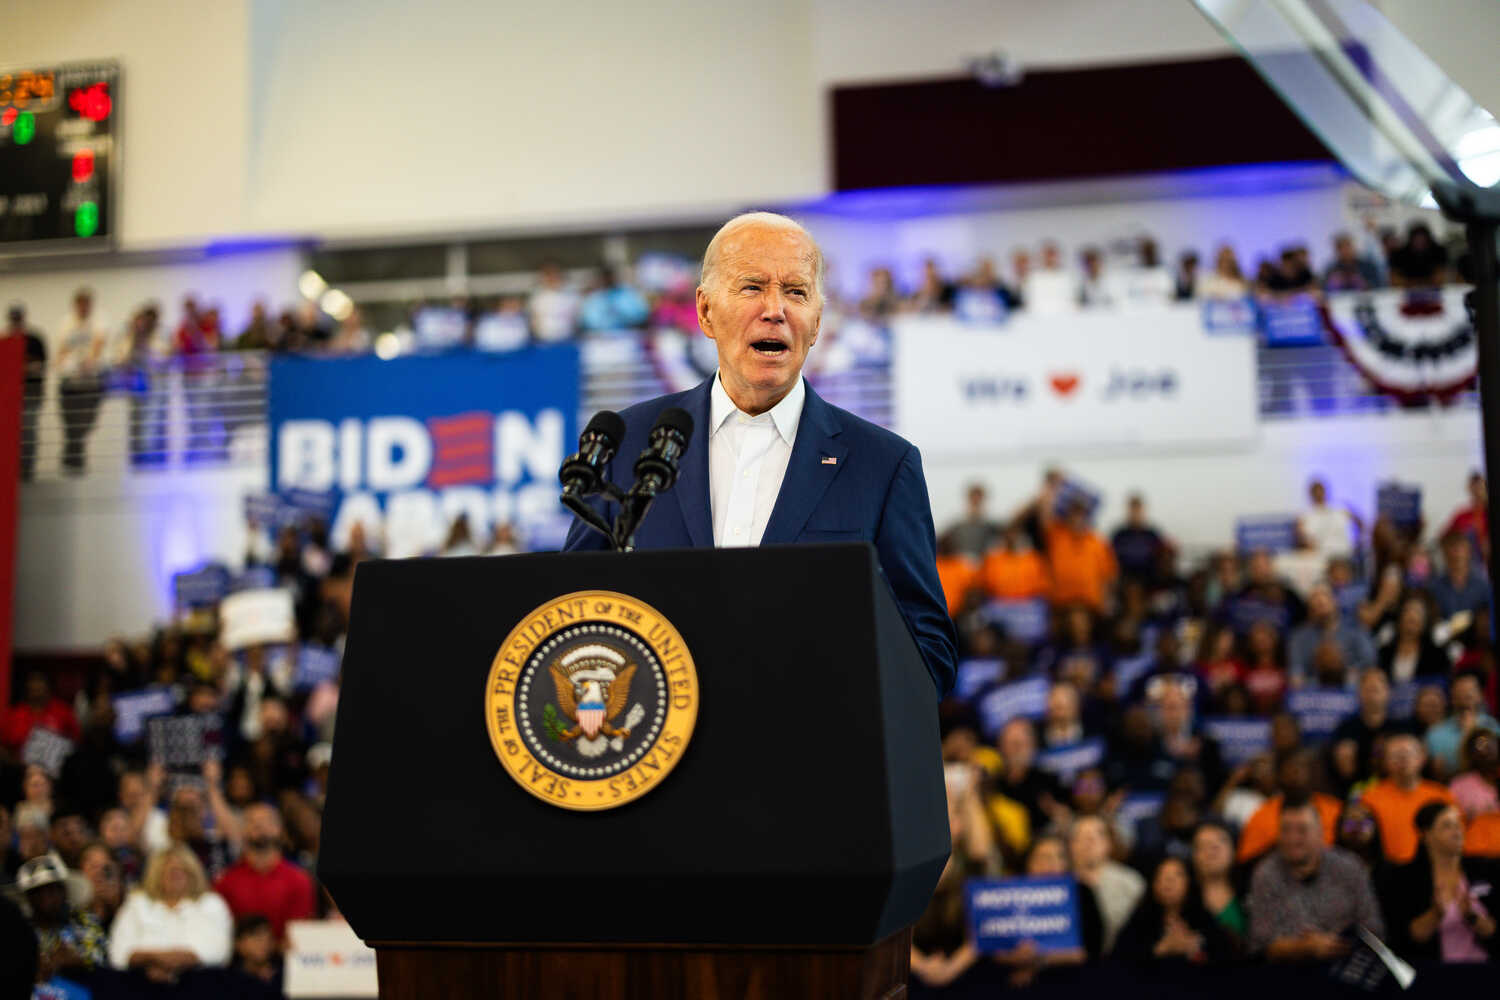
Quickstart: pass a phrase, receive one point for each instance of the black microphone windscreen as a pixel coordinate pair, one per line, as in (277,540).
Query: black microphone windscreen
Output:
(607,423)
(678,419)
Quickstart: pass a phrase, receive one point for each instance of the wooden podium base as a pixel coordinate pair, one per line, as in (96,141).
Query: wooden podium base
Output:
(644,971)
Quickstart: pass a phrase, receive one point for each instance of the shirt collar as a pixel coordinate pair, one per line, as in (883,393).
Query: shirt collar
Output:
(785,415)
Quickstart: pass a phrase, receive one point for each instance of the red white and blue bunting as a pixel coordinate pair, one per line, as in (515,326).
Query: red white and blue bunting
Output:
(1412,345)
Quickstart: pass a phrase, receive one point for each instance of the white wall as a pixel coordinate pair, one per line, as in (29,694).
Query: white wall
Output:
(1197,498)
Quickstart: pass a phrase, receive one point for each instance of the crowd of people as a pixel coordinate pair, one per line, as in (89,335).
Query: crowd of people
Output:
(139,864)
(1187,849)
(94,358)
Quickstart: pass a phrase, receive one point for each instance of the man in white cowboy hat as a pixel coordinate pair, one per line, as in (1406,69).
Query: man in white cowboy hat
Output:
(69,938)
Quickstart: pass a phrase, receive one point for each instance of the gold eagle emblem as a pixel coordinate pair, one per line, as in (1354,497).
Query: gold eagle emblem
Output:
(588,706)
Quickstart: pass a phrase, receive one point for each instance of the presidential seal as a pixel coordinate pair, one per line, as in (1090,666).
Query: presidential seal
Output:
(591,700)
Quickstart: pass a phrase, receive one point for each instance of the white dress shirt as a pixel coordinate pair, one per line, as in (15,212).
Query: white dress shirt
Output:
(747,459)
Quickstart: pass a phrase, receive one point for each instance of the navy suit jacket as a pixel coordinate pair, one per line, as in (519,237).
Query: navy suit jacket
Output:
(873,492)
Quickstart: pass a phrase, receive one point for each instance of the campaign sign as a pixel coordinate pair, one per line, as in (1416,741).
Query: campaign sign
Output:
(1066,762)
(201,588)
(133,709)
(315,665)
(1401,503)
(1134,808)
(1320,710)
(256,617)
(184,741)
(974,676)
(405,446)
(1026,698)
(1272,532)
(1297,323)
(1129,669)
(1003,912)
(1239,739)
(1023,620)
(46,750)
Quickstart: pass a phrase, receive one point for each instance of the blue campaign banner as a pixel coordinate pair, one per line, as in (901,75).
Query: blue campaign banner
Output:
(1139,806)
(1228,316)
(1024,621)
(1272,532)
(1066,762)
(1129,669)
(1399,502)
(1003,912)
(1026,698)
(1238,739)
(204,587)
(315,665)
(976,675)
(1320,710)
(407,445)
(1297,323)
(132,710)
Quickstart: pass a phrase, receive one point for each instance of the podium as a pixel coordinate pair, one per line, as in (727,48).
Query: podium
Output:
(796,837)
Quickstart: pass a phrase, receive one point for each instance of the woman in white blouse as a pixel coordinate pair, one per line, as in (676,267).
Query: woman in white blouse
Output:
(174,922)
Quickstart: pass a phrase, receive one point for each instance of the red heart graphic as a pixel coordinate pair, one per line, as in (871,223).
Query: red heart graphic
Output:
(1064,384)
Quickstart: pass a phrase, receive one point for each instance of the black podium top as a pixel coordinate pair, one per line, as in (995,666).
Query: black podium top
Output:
(808,807)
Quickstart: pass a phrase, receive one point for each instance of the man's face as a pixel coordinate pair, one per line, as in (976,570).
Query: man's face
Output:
(1374,691)
(1465,694)
(114,828)
(1301,840)
(1017,745)
(762,310)
(1403,758)
(262,827)
(1320,604)
(1318,492)
(1062,704)
(49,902)
(70,835)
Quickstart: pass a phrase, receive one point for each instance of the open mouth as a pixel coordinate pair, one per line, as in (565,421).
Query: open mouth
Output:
(770,348)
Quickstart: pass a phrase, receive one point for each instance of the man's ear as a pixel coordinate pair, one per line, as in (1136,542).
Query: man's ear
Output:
(704,323)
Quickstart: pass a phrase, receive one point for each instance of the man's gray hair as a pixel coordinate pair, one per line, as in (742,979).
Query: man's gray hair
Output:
(769,220)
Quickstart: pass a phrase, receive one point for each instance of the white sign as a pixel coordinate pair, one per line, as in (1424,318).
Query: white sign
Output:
(1091,380)
(325,958)
(253,617)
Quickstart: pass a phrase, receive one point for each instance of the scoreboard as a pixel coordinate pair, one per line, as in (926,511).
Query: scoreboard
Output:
(59,155)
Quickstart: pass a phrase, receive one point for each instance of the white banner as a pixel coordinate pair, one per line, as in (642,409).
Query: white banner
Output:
(252,617)
(1091,380)
(326,959)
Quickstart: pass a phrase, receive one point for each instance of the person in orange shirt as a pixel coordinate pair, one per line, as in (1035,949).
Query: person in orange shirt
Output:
(957,574)
(1483,838)
(1396,799)
(1294,778)
(1014,571)
(1083,564)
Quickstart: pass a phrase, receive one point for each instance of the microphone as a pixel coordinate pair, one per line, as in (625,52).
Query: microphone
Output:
(655,472)
(582,474)
(656,469)
(583,471)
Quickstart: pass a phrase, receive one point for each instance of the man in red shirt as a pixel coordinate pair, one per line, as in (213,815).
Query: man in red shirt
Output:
(263,882)
(1474,520)
(38,708)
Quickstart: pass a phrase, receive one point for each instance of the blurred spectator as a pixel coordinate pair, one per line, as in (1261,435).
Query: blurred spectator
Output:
(1328,531)
(1461,586)
(1050,288)
(1225,282)
(1137,761)
(33,381)
(82,337)
(1013,570)
(1048,857)
(1350,272)
(1218,662)
(1116,887)
(982,297)
(957,574)
(18,952)
(38,707)
(1359,834)
(1265,671)
(255,951)
(106,881)
(1445,739)
(1476,790)
(460,541)
(1063,724)
(1325,625)
(1294,782)
(882,300)
(1356,737)
(1081,562)
(1305,895)
(934,293)
(263,882)
(70,834)
(1170,923)
(36,789)
(1247,788)
(553,307)
(503,540)
(33,831)
(1093,288)
(197,332)
(1020,780)
(9,860)
(505,328)
(1410,653)
(1145,283)
(1396,799)
(1437,905)
(976,533)
(1291,276)
(259,334)
(942,949)
(173,923)
(1266,596)
(70,941)
(351,336)
(1473,521)
(1420,262)
(613,305)
(1185,283)
(1137,545)
(1213,872)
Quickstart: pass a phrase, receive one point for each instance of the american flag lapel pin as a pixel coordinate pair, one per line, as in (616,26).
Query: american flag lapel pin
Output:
(830,460)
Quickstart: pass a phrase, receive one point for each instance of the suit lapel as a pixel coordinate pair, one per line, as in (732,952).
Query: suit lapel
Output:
(691,492)
(807,474)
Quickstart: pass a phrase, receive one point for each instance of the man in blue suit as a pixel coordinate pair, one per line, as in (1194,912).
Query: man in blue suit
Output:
(770,462)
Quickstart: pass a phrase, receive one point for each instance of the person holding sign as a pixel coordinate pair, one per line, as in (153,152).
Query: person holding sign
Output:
(1049,858)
